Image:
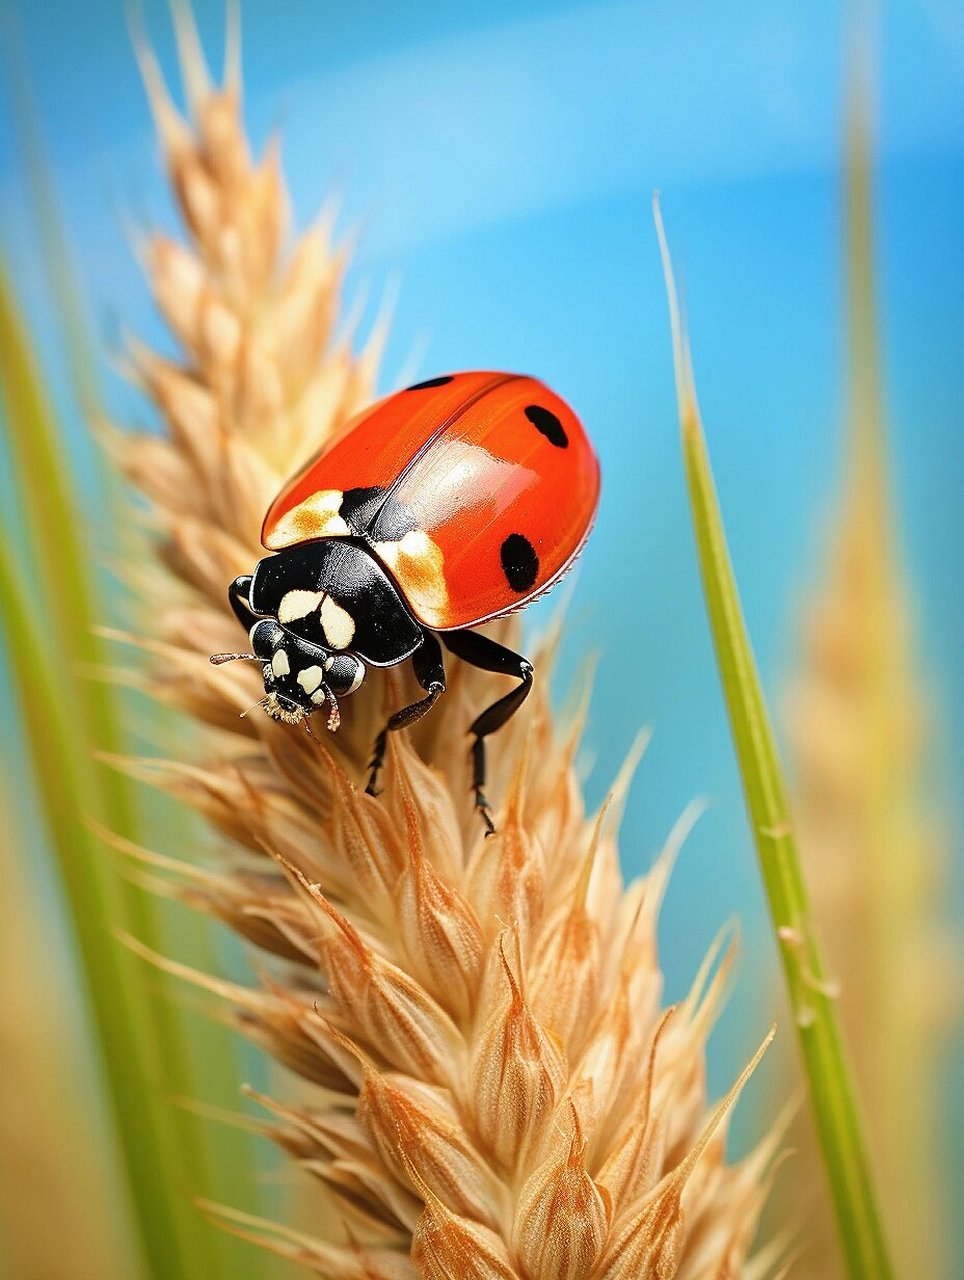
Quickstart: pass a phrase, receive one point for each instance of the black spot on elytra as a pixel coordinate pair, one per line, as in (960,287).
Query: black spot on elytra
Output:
(520,564)
(375,514)
(546,422)
(430,382)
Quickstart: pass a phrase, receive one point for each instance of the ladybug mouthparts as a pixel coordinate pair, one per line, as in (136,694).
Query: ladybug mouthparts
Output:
(285,710)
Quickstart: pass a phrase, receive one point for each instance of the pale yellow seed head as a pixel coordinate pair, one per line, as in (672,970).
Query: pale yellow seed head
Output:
(488,1089)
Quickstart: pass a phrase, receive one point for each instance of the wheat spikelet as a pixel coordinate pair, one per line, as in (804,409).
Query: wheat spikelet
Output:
(495,1089)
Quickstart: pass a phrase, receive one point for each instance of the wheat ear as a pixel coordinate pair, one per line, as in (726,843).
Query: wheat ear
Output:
(495,1088)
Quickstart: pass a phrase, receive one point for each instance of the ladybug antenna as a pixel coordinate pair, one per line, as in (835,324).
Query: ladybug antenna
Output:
(218,658)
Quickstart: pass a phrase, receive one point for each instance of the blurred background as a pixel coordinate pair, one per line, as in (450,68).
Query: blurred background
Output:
(495,162)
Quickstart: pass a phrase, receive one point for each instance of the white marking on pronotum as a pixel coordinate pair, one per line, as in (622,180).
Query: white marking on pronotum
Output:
(310,678)
(338,624)
(298,604)
(280,666)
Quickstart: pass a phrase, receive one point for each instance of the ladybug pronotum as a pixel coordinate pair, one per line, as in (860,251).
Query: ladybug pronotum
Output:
(443,506)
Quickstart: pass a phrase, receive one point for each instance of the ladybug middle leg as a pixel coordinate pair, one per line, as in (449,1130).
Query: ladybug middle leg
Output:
(430,673)
(488,655)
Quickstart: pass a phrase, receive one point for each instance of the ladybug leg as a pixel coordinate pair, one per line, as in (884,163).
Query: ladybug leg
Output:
(238,598)
(486,654)
(430,673)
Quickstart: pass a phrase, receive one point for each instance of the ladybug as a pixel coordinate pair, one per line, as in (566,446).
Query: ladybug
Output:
(443,506)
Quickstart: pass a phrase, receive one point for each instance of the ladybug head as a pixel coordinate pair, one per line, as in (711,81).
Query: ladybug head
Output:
(299,677)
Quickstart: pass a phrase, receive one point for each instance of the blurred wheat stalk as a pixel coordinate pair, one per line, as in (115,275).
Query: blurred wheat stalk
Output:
(48,1128)
(870,842)
(494,1088)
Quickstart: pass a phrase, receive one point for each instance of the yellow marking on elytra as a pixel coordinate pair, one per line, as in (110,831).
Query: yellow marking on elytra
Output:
(310,679)
(337,623)
(418,562)
(315,517)
(298,604)
(279,664)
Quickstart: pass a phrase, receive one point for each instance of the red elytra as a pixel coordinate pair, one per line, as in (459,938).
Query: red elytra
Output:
(479,460)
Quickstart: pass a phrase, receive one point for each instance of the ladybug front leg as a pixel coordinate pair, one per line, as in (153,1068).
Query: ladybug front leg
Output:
(430,673)
(486,654)
(239,599)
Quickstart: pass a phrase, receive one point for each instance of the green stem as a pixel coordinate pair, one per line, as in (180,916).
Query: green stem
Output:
(53,525)
(812,996)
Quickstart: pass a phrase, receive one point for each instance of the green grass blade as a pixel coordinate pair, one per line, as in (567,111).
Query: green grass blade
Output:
(55,535)
(812,1000)
(155,1060)
(215,1065)
(115,1004)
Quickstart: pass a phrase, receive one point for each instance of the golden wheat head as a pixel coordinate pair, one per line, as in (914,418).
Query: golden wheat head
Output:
(494,1087)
